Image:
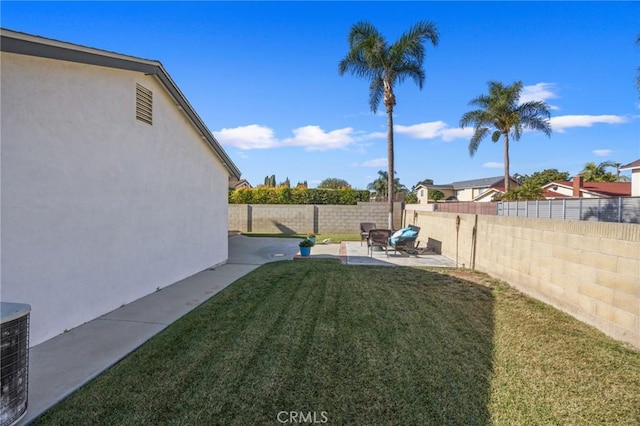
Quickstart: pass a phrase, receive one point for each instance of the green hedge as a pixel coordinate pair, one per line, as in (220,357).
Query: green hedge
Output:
(284,195)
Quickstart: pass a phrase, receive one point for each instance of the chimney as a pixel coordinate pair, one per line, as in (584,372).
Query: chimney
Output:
(577,184)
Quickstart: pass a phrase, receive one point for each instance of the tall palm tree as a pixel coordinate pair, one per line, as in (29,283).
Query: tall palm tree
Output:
(501,111)
(370,56)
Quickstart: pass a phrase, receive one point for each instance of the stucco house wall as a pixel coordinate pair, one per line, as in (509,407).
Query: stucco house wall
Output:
(99,208)
(635,182)
(634,167)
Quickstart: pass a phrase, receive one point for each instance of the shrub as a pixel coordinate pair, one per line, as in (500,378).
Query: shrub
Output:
(285,195)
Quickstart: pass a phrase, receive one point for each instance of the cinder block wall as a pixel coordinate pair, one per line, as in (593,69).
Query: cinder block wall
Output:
(590,270)
(309,218)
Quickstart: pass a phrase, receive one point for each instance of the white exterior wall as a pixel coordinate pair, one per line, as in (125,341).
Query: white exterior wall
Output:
(98,208)
(635,183)
(465,194)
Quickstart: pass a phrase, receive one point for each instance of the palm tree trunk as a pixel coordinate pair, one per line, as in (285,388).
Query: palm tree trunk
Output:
(506,162)
(390,189)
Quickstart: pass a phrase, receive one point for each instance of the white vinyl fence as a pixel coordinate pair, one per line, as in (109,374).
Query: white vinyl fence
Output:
(619,209)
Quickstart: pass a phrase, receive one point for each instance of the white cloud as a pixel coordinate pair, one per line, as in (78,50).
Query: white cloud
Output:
(375,135)
(539,92)
(376,162)
(493,165)
(562,122)
(433,130)
(602,152)
(428,130)
(312,138)
(252,136)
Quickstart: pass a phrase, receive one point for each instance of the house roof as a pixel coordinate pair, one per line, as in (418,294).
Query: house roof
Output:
(435,186)
(606,189)
(548,193)
(478,183)
(631,166)
(26,44)
(242,183)
(473,183)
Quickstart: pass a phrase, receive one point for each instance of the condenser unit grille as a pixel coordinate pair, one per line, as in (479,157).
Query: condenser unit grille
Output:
(144,104)
(14,368)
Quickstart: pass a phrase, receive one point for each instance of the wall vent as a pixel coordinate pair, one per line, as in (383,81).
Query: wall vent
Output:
(144,104)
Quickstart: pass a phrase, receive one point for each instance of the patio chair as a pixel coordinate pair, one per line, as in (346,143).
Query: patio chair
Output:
(404,240)
(365,227)
(378,238)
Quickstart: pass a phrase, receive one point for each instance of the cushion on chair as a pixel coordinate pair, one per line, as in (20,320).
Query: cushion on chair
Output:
(398,233)
(402,234)
(409,234)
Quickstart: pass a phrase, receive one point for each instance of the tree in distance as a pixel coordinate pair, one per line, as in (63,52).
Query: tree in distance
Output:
(380,185)
(334,183)
(593,172)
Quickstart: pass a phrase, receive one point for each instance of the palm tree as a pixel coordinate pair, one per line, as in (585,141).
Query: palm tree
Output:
(593,172)
(528,191)
(381,184)
(619,177)
(501,111)
(370,56)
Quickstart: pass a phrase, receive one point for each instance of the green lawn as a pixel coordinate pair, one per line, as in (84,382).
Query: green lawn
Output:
(366,345)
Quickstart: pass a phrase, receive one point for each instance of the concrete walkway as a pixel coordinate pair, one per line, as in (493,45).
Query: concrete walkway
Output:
(64,363)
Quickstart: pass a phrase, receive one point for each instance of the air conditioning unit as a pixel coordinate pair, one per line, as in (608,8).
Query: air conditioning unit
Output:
(14,361)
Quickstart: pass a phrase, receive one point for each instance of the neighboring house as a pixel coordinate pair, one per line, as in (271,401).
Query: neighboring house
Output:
(466,190)
(112,186)
(578,188)
(238,184)
(635,177)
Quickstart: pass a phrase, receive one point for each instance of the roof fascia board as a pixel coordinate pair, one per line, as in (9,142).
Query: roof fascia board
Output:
(84,56)
(547,185)
(630,167)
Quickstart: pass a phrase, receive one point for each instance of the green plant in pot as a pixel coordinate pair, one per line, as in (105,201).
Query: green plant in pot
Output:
(305,247)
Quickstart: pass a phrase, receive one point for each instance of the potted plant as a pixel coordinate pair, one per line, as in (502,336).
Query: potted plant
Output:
(312,237)
(305,247)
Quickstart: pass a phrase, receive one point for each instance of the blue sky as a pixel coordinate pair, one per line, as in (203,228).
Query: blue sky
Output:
(264,78)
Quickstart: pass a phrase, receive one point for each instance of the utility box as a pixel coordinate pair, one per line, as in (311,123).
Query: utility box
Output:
(14,361)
